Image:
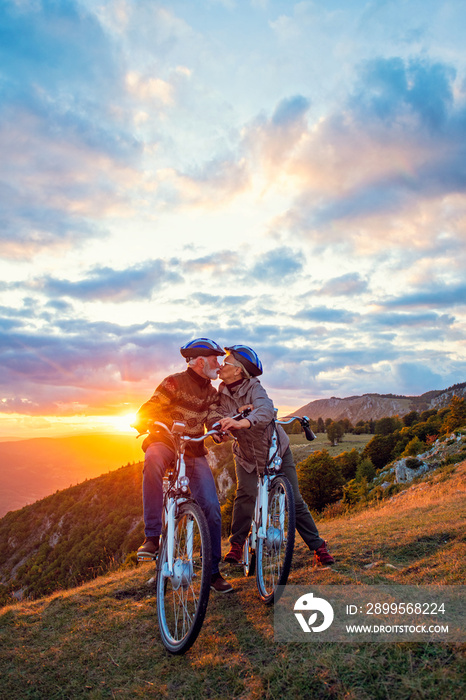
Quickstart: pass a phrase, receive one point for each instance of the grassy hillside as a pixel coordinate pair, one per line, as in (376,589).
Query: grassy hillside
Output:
(101,640)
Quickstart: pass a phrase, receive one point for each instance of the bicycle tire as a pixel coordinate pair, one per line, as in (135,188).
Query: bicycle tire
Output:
(182,598)
(274,553)
(249,557)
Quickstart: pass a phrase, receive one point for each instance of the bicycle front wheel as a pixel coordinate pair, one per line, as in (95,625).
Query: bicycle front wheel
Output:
(183,592)
(275,550)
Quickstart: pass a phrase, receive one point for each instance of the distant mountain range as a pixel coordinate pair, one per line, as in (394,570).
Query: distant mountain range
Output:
(376,406)
(32,469)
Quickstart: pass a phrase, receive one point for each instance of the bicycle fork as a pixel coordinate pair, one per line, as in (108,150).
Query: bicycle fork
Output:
(179,570)
(262,507)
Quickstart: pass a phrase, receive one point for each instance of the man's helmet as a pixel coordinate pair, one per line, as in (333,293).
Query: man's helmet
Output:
(247,357)
(201,347)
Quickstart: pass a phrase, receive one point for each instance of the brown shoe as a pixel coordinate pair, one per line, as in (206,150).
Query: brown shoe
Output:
(322,556)
(148,550)
(218,584)
(235,555)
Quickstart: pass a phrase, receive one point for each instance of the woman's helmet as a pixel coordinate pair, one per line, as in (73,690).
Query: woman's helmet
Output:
(247,357)
(201,347)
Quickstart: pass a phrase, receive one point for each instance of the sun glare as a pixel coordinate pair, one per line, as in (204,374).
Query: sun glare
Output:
(122,423)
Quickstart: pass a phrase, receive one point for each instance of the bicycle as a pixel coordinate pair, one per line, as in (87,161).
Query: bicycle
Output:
(268,549)
(184,561)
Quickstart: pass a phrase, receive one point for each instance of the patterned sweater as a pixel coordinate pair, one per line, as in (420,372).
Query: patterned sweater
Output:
(184,397)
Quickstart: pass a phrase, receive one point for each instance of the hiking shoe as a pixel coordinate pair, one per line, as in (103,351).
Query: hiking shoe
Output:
(148,550)
(322,556)
(235,555)
(218,584)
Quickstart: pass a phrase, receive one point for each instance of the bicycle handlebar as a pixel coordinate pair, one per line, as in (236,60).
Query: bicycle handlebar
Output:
(214,431)
(185,438)
(305,425)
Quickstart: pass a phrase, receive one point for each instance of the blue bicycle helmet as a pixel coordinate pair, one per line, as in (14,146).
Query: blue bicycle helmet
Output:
(247,357)
(201,347)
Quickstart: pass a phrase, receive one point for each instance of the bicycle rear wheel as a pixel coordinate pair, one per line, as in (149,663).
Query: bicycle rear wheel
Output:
(249,557)
(183,596)
(275,551)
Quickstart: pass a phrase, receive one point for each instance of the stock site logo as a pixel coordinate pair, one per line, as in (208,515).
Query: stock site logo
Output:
(308,604)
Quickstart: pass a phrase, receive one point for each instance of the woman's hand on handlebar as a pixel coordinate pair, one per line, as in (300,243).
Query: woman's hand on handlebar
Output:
(232,424)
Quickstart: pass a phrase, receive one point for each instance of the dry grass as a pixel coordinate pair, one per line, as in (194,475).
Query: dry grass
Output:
(101,640)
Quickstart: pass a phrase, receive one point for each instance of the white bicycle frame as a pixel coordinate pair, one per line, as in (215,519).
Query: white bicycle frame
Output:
(180,572)
(263,483)
(262,498)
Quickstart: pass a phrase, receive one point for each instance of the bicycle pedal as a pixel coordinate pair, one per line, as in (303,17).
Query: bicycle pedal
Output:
(147,557)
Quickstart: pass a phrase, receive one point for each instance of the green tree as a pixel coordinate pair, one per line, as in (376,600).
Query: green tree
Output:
(456,416)
(335,432)
(387,425)
(320,425)
(414,447)
(347,425)
(348,463)
(410,418)
(365,471)
(380,449)
(320,480)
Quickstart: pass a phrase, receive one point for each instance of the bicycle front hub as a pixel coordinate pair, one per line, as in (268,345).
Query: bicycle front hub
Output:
(273,538)
(182,574)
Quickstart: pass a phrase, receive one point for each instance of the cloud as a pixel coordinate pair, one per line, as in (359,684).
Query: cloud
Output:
(271,141)
(289,113)
(220,301)
(394,89)
(60,42)
(107,284)
(414,376)
(149,88)
(213,184)
(378,172)
(436,296)
(426,320)
(327,315)
(351,283)
(65,154)
(277,264)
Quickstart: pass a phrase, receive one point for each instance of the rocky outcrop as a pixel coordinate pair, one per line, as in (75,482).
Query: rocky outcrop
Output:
(404,470)
(408,468)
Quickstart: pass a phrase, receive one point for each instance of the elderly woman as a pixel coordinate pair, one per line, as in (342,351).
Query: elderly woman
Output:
(240,387)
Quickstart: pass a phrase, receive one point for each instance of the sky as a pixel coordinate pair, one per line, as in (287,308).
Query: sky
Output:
(288,175)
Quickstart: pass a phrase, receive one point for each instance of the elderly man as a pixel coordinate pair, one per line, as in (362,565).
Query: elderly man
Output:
(188,397)
(241,387)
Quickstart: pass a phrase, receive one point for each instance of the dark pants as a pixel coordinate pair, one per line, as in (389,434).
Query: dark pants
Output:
(243,509)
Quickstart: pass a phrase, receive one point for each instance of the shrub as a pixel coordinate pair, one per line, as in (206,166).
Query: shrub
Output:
(348,463)
(414,447)
(227,511)
(365,470)
(320,480)
(380,449)
(456,416)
